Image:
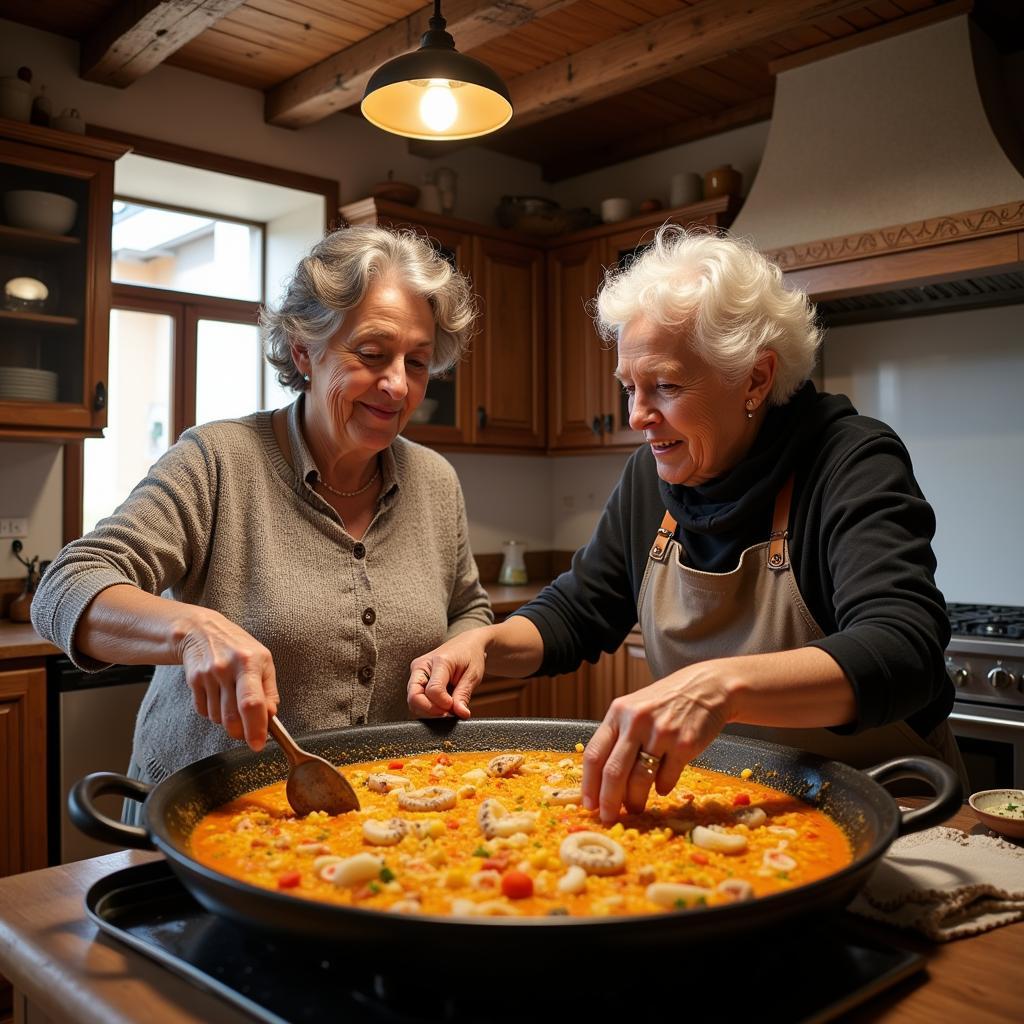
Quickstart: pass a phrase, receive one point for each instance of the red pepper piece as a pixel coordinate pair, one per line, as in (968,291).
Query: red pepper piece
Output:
(289,880)
(740,800)
(699,858)
(516,885)
(395,766)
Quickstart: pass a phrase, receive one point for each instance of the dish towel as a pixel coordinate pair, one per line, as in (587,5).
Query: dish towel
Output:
(945,884)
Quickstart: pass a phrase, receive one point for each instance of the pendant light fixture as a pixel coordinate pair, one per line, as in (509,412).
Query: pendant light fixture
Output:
(436,92)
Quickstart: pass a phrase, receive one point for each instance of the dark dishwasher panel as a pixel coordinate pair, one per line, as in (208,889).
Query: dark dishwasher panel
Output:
(90,723)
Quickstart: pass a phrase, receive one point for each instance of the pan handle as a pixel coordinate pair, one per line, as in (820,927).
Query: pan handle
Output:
(82,809)
(949,794)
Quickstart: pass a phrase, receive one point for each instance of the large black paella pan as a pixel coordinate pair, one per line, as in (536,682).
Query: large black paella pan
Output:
(854,799)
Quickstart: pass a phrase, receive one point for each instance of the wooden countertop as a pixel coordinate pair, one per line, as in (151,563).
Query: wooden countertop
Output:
(65,967)
(20,640)
(505,600)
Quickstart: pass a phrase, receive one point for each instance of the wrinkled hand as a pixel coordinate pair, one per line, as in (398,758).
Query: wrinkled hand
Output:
(442,681)
(231,676)
(673,719)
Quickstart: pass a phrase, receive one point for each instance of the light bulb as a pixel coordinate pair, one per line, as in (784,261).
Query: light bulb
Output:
(438,108)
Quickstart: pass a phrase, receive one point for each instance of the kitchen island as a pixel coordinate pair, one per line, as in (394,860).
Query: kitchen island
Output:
(65,970)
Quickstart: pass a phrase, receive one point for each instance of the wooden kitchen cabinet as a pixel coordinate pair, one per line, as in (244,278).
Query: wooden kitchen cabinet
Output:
(508,352)
(588,409)
(23,772)
(578,360)
(67,337)
(562,696)
(624,671)
(495,397)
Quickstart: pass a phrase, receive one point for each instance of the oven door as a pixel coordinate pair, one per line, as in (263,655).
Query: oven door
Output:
(991,740)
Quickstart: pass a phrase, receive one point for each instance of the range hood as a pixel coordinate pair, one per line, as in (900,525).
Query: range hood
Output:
(891,182)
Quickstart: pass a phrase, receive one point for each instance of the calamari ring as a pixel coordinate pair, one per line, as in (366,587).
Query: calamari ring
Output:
(430,798)
(595,852)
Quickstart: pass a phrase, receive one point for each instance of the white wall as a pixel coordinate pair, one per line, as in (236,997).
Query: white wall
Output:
(32,488)
(950,385)
(548,503)
(649,177)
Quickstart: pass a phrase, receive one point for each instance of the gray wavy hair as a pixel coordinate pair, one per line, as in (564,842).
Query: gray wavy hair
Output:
(334,278)
(730,297)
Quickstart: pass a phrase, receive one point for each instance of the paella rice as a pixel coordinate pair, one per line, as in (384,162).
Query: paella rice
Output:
(504,833)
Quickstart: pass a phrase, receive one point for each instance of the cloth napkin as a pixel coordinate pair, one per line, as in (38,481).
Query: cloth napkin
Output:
(945,884)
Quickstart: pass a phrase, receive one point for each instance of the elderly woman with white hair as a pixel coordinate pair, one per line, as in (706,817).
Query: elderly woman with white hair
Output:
(772,543)
(301,556)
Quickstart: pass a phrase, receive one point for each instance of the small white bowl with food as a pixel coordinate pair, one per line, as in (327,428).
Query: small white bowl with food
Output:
(1002,810)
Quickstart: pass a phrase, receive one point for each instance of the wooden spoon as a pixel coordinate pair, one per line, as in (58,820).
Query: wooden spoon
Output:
(313,783)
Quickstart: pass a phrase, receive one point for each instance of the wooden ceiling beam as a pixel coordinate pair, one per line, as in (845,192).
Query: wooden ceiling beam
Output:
(658,49)
(338,82)
(138,35)
(693,128)
(888,29)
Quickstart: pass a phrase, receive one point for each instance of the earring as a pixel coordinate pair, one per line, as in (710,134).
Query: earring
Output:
(750,408)
(305,377)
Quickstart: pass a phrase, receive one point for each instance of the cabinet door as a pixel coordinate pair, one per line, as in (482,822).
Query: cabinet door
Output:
(619,250)
(579,363)
(23,772)
(53,351)
(562,696)
(508,353)
(637,671)
(444,415)
(496,697)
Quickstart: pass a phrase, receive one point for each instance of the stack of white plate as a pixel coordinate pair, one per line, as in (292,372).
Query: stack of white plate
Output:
(24,382)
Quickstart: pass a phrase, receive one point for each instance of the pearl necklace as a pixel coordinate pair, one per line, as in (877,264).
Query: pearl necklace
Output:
(350,494)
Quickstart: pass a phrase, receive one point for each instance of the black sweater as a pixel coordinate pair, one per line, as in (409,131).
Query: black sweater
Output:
(860,536)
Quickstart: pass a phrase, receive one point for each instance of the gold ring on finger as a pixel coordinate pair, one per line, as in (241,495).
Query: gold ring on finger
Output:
(647,762)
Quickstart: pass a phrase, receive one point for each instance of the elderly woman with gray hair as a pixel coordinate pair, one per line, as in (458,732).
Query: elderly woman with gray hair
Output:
(773,544)
(301,556)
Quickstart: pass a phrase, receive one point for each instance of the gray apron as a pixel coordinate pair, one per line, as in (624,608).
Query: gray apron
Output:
(688,616)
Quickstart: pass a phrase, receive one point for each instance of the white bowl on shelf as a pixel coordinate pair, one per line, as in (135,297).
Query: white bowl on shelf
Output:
(40,211)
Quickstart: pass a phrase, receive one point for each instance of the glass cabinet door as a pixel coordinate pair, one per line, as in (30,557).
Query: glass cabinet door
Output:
(54,283)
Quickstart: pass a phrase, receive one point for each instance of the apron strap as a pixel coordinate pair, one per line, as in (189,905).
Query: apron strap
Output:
(778,551)
(665,534)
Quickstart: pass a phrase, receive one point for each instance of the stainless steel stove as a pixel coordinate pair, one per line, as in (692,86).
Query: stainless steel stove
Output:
(985,660)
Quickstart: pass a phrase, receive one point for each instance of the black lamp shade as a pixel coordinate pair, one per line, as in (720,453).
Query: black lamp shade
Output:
(394,95)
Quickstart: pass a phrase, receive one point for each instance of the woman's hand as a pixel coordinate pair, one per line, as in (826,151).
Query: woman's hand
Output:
(673,720)
(231,676)
(442,681)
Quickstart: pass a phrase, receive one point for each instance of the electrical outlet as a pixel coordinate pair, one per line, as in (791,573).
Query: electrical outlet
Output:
(14,528)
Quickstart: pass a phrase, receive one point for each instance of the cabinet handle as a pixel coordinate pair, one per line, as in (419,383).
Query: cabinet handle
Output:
(481,417)
(595,426)
(609,423)
(99,401)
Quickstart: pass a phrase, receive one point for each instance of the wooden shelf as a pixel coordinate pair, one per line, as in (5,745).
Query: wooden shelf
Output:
(38,319)
(27,240)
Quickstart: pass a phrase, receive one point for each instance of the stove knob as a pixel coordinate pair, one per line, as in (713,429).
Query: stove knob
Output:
(1000,679)
(960,676)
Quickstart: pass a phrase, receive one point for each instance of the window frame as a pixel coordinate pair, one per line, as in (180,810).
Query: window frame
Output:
(73,474)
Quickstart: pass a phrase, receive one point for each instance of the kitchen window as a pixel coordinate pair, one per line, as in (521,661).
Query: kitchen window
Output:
(198,241)
(184,250)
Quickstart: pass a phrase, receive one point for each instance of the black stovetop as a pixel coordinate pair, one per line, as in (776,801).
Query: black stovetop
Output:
(276,982)
(995,621)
